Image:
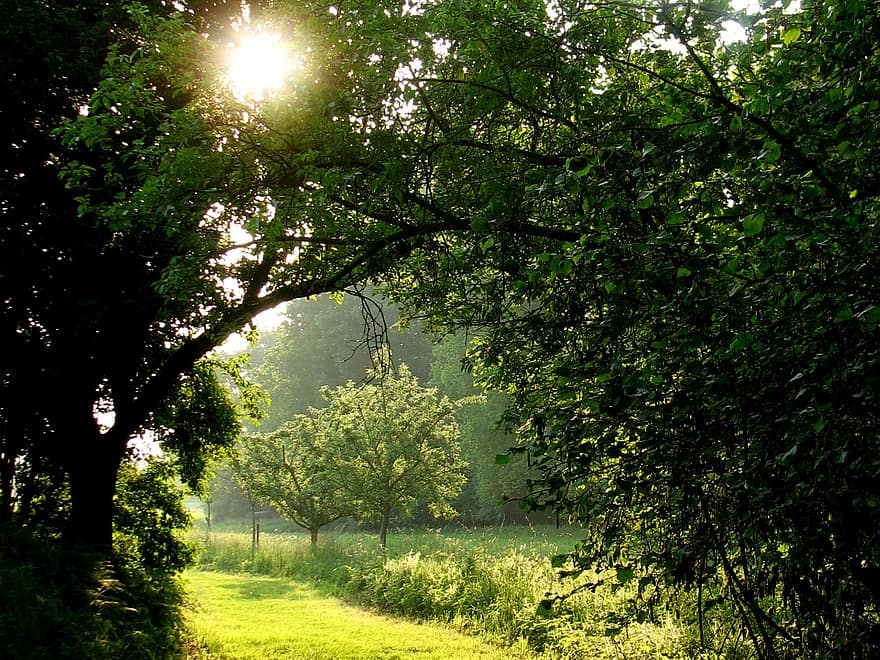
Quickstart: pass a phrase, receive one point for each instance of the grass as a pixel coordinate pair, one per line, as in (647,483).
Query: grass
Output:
(485,582)
(247,616)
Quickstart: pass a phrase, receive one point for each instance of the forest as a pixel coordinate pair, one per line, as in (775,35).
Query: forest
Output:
(609,267)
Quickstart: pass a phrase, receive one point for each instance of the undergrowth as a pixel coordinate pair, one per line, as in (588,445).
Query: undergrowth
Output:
(58,603)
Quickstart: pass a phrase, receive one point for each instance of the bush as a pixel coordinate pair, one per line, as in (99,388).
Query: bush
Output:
(58,603)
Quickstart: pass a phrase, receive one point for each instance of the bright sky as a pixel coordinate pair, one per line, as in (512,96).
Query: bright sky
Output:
(265,322)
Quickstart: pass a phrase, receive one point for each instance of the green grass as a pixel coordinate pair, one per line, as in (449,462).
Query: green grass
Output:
(485,582)
(247,616)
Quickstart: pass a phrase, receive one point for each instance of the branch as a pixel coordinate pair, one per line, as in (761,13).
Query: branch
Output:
(805,161)
(504,95)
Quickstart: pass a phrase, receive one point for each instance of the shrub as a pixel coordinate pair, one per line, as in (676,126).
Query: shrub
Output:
(62,604)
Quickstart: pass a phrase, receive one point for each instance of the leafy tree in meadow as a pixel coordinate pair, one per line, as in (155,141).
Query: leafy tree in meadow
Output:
(398,447)
(293,469)
(224,497)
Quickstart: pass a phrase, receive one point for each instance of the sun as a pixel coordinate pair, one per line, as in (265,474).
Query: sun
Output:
(259,65)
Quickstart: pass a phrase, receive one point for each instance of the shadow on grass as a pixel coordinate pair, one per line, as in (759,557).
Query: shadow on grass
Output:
(249,587)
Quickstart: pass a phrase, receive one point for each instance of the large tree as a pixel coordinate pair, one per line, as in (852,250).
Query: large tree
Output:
(129,174)
(673,259)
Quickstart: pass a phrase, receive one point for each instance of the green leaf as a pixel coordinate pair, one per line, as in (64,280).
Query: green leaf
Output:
(624,574)
(784,458)
(645,199)
(580,165)
(742,340)
(791,35)
(844,314)
(480,225)
(675,218)
(502,459)
(870,315)
(770,152)
(753,224)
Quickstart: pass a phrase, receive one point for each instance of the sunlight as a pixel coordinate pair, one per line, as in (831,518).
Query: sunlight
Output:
(261,63)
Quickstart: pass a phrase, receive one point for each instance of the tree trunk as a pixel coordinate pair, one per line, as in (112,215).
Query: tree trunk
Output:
(7,470)
(383,528)
(92,489)
(253,531)
(314,537)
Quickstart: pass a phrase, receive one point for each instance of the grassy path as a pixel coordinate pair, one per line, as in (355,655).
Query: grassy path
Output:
(246,616)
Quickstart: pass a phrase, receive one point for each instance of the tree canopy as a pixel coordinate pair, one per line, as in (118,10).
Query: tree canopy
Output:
(293,469)
(673,252)
(327,342)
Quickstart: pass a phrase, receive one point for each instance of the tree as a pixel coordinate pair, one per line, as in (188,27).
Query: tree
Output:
(227,501)
(292,469)
(678,287)
(399,447)
(127,167)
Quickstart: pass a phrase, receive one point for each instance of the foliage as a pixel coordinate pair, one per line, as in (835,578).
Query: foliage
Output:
(677,287)
(670,251)
(397,447)
(150,518)
(491,482)
(68,604)
(292,469)
(129,169)
(197,422)
(328,342)
(225,499)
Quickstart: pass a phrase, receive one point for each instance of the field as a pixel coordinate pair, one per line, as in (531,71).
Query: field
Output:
(488,583)
(246,616)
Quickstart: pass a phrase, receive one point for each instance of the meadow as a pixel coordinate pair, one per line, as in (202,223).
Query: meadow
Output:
(490,583)
(245,616)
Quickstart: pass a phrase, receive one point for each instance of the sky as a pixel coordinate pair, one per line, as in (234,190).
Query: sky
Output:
(264,322)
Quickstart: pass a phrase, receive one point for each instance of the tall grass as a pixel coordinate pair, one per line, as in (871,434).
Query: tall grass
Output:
(490,582)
